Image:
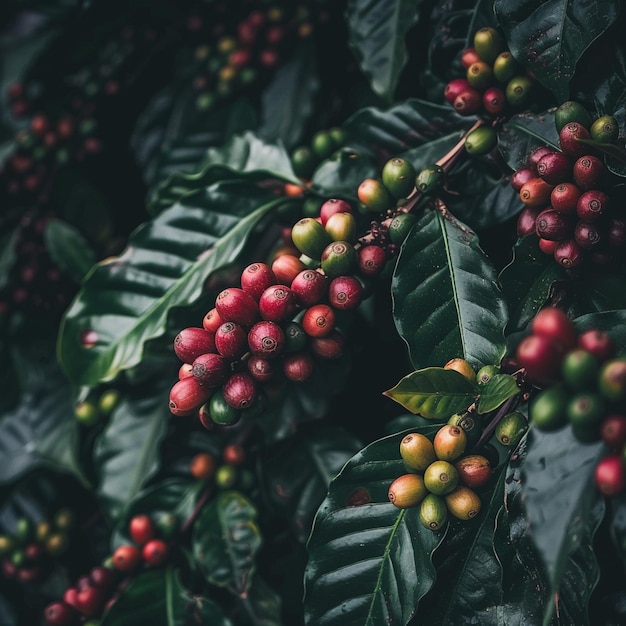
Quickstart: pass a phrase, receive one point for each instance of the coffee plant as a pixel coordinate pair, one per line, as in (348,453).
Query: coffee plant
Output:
(312,312)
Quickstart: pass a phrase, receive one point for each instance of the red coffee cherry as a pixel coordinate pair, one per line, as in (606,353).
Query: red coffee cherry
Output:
(60,614)
(141,529)
(187,395)
(564,198)
(469,56)
(588,171)
(333,206)
(330,347)
(568,254)
(610,476)
(210,369)
(555,167)
(318,320)
(191,342)
(39,124)
(298,366)
(345,293)
(552,225)
(468,102)
(616,233)
(155,553)
(372,260)
(527,220)
(234,454)
(203,466)
(103,577)
(185,370)
(535,155)
(569,139)
(240,391)
(599,343)
(554,324)
(212,321)
(266,339)
(591,205)
(286,267)
(521,176)
(260,368)
(536,192)
(547,246)
(231,340)
(613,431)
(494,100)
(309,287)
(278,303)
(587,235)
(235,305)
(126,558)
(256,278)
(455,88)
(540,356)
(90,601)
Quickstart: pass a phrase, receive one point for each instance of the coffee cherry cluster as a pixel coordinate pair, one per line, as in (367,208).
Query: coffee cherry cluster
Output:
(440,479)
(94,593)
(324,143)
(566,196)
(587,388)
(494,80)
(229,474)
(97,406)
(398,179)
(27,550)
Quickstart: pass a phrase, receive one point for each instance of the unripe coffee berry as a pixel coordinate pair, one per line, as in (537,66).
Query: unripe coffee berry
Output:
(374,195)
(441,477)
(605,129)
(212,321)
(310,237)
(488,43)
(256,278)
(433,512)
(285,268)
(332,207)
(398,176)
(449,442)
(481,141)
(210,369)
(298,367)
(235,305)
(339,258)
(511,428)
(266,339)
(571,111)
(417,452)
(480,75)
(407,491)
(463,503)
(518,91)
(231,340)
(221,412)
(318,320)
(462,367)
(240,391)
(401,225)
(345,293)
(342,227)
(191,342)
(429,181)
(505,67)
(536,192)
(203,466)
(277,303)
(187,395)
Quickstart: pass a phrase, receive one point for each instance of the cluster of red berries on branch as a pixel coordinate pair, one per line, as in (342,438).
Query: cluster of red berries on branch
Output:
(567,196)
(494,83)
(27,550)
(584,385)
(94,593)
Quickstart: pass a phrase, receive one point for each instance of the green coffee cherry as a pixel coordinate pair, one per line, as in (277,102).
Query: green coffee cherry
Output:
(398,176)
(400,227)
(580,369)
(339,258)
(374,195)
(480,75)
(310,237)
(338,136)
(417,452)
(431,179)
(433,512)
(505,67)
(311,207)
(471,426)
(220,411)
(295,337)
(441,477)
(481,141)
(323,144)
(166,524)
(571,111)
(612,380)
(511,428)
(518,91)
(18,558)
(108,400)
(304,162)
(548,411)
(342,227)
(463,503)
(486,373)
(586,410)
(23,530)
(605,129)
(407,491)
(488,44)
(86,413)
(226,476)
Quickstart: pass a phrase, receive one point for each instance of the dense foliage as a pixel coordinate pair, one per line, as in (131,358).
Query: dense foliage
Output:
(312,312)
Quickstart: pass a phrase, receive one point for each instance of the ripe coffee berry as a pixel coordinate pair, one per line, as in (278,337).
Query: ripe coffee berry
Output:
(126,558)
(345,293)
(203,466)
(588,171)
(610,476)
(330,347)
(520,177)
(564,198)
(555,167)
(212,321)
(266,339)
(540,356)
(256,278)
(277,303)
(239,391)
(552,225)
(587,235)
(60,614)
(235,305)
(298,366)
(190,343)
(234,454)
(569,137)
(285,268)
(141,529)
(155,553)
(309,287)
(554,324)
(261,368)
(598,343)
(103,577)
(527,220)
(372,260)
(318,320)
(210,369)
(455,88)
(231,340)
(568,254)
(187,395)
(331,207)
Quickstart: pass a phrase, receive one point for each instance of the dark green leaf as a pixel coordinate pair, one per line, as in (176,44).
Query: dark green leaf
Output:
(68,249)
(369,562)
(406,422)
(377,33)
(341,175)
(159,599)
(7,254)
(434,393)
(446,300)
(298,472)
(226,539)
(125,301)
(618,524)
(126,453)
(550,37)
(261,604)
(559,494)
(522,133)
(526,282)
(496,392)
(287,103)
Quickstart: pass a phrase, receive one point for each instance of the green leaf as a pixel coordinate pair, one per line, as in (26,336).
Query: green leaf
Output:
(126,453)
(522,133)
(226,540)
(287,102)
(245,157)
(496,392)
(8,242)
(158,598)
(125,302)
(559,494)
(261,604)
(617,521)
(68,249)
(446,302)
(298,472)
(550,37)
(377,34)
(369,562)
(526,282)
(341,174)
(434,393)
